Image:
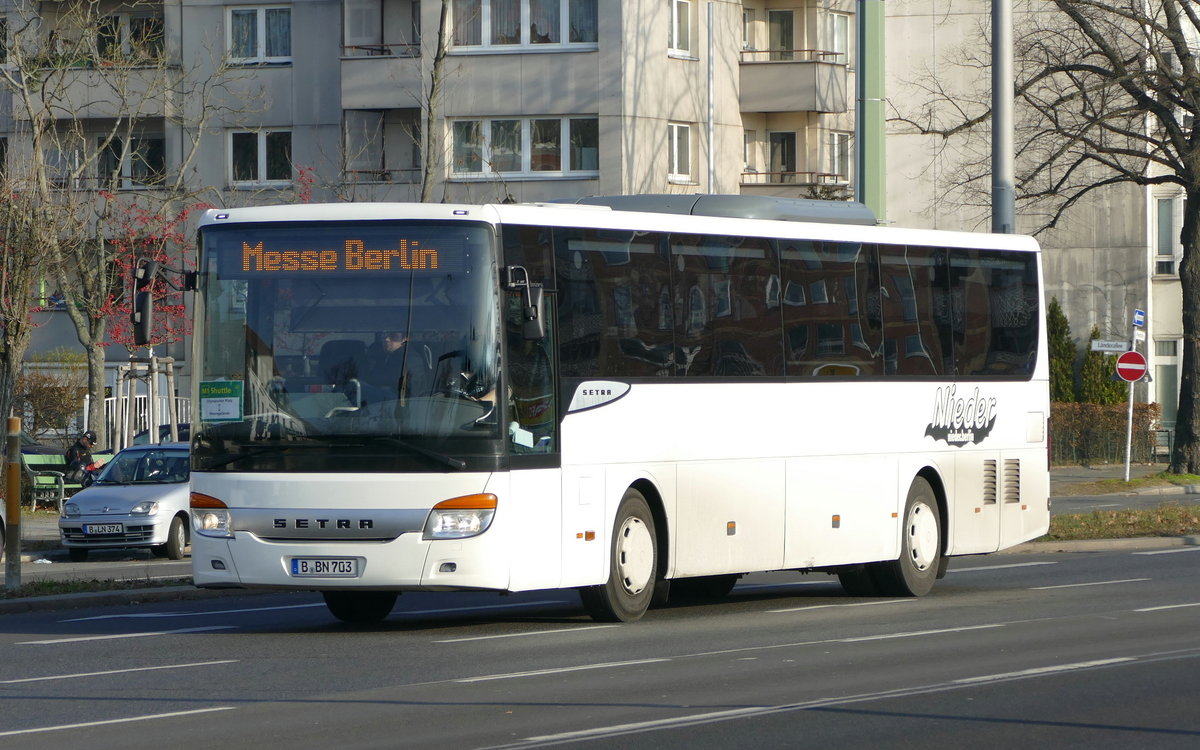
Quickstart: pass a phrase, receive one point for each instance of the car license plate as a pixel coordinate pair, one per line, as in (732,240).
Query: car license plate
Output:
(103,528)
(325,567)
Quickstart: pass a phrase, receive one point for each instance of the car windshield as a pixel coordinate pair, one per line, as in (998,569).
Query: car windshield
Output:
(146,467)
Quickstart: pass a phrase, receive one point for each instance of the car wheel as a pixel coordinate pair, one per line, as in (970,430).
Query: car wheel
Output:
(176,539)
(78,554)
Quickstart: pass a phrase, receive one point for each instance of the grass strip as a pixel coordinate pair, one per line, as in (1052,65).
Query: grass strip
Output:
(1168,519)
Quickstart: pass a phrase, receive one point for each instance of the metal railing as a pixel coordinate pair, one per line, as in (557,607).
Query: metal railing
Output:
(385,49)
(792,55)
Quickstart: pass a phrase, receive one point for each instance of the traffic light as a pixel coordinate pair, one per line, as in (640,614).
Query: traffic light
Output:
(142,316)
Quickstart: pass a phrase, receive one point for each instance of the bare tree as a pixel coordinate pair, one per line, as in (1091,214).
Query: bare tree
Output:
(93,93)
(1108,93)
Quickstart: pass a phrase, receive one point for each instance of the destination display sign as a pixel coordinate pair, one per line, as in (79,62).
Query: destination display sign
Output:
(354,250)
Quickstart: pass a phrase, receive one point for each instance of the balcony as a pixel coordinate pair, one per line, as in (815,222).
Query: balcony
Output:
(796,185)
(110,92)
(381,76)
(802,80)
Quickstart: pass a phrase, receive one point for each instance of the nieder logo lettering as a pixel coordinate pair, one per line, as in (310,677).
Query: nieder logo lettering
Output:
(957,420)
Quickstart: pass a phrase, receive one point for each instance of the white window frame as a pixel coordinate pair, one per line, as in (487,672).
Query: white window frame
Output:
(260,178)
(677,172)
(260,43)
(679,40)
(841,158)
(1166,236)
(839,37)
(526,170)
(526,44)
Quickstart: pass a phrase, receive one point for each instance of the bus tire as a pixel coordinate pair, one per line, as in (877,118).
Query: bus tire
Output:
(703,588)
(633,565)
(360,607)
(913,573)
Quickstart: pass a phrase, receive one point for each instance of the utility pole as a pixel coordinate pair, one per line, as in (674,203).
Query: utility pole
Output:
(1004,212)
(869,154)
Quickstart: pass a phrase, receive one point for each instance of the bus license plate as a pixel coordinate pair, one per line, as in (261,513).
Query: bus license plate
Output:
(103,528)
(326,567)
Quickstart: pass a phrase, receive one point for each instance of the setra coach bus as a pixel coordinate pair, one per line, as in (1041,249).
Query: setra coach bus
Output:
(634,397)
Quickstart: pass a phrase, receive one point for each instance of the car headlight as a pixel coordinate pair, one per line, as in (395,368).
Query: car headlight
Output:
(70,510)
(460,517)
(210,516)
(145,508)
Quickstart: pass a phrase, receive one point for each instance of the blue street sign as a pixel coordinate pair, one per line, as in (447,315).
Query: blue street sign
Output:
(1139,318)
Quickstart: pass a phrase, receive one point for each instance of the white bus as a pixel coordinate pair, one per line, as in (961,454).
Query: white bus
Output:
(637,400)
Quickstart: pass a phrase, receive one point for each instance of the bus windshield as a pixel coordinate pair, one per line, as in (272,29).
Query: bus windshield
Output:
(347,347)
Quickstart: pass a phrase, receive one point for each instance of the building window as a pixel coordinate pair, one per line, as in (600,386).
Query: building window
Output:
(783,157)
(748,148)
(1166,348)
(781,34)
(839,37)
(507,24)
(526,146)
(144,163)
(1168,236)
(260,35)
(680,32)
(260,157)
(135,39)
(748,28)
(680,149)
(839,156)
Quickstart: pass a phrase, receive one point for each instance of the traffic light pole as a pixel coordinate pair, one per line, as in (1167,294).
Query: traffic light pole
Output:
(12,508)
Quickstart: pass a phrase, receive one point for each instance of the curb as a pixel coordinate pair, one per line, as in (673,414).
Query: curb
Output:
(126,597)
(1104,545)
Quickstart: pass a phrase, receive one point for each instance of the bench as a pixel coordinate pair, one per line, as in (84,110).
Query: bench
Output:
(46,474)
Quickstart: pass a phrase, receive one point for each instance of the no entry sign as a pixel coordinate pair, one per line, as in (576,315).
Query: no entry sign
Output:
(1131,366)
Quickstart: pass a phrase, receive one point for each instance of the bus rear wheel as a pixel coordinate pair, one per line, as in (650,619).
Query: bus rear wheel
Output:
(633,565)
(913,573)
(360,607)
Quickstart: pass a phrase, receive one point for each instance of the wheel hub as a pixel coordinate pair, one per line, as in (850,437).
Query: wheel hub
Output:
(635,556)
(922,536)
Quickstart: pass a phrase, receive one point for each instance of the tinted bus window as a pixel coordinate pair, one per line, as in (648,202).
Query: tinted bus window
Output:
(995,318)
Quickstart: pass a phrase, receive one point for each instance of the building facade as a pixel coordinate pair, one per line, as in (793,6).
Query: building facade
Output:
(530,100)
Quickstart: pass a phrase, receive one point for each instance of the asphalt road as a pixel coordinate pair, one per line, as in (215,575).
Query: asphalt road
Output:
(1096,650)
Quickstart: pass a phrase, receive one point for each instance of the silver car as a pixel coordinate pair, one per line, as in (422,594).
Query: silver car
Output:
(139,499)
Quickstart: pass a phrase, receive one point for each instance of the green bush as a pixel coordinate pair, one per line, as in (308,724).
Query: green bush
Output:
(1095,433)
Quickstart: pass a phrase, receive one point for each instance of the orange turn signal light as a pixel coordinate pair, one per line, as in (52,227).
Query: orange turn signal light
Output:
(482,501)
(200,500)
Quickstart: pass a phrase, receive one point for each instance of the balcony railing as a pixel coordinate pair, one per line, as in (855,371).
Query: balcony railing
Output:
(792,178)
(792,55)
(387,49)
(408,176)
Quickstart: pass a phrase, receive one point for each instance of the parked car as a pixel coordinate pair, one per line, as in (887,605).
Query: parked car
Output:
(183,430)
(30,445)
(139,499)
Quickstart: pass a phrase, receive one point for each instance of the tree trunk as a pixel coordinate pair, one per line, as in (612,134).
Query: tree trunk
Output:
(1184,453)
(434,141)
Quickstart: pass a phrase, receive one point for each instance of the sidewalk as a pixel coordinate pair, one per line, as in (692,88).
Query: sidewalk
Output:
(39,534)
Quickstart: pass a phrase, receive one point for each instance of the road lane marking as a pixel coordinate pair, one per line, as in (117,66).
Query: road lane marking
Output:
(527,633)
(1168,606)
(1000,567)
(828,606)
(485,608)
(193,613)
(115,636)
(1169,551)
(916,633)
(754,711)
(118,671)
(561,670)
(110,722)
(1090,583)
(1038,671)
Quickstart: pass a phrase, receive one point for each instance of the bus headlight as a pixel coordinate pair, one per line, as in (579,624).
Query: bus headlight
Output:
(210,516)
(461,517)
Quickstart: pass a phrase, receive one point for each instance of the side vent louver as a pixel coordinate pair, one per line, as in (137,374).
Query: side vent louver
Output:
(989,482)
(1012,480)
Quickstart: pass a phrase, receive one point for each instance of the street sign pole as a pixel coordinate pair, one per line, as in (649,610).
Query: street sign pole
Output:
(1129,431)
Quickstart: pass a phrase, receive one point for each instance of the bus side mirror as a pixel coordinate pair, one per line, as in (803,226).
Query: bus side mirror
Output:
(142,318)
(533,327)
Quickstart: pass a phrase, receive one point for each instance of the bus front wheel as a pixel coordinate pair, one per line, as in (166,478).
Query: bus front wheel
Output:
(360,607)
(633,565)
(913,573)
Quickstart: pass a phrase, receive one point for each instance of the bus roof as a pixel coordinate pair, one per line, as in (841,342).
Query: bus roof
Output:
(629,217)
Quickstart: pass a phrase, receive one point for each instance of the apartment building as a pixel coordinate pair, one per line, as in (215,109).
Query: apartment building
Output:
(528,100)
